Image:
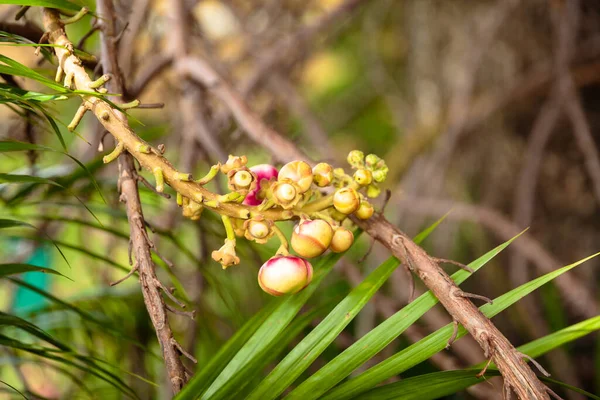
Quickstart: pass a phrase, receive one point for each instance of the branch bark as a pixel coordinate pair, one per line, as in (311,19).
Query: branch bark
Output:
(129,194)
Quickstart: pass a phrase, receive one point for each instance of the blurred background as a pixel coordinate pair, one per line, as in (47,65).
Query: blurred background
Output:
(485,110)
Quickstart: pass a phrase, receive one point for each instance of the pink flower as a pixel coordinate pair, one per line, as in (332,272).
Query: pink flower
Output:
(262,171)
(285,275)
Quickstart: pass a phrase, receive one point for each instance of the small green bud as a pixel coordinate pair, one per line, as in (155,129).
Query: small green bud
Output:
(363,177)
(373,191)
(346,200)
(372,160)
(356,158)
(322,174)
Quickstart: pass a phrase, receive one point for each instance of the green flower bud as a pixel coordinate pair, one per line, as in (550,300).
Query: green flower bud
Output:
(356,158)
(322,174)
(285,275)
(372,161)
(363,177)
(373,191)
(365,211)
(380,174)
(346,200)
(342,240)
(298,172)
(311,238)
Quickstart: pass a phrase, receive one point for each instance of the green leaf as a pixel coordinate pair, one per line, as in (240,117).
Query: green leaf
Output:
(14,388)
(439,384)
(378,338)
(12,269)
(435,342)
(302,356)
(12,178)
(243,364)
(60,4)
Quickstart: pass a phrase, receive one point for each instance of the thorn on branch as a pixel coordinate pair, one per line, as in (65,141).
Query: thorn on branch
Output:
(21,13)
(119,148)
(458,264)
(99,82)
(159,178)
(168,293)
(76,17)
(152,188)
(182,351)
(59,74)
(181,176)
(483,371)
(411,284)
(101,142)
(454,334)
(132,104)
(553,394)
(152,105)
(143,148)
(189,314)
(459,293)
(386,200)
(364,257)
(69,80)
(131,272)
(214,170)
(78,116)
(537,364)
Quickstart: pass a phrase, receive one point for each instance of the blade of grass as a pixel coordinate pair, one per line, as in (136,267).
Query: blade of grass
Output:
(13,269)
(435,342)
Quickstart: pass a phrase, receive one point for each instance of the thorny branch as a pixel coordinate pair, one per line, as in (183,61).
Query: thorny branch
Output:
(157,309)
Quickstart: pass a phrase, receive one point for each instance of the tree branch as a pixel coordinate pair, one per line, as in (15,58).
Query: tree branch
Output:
(128,179)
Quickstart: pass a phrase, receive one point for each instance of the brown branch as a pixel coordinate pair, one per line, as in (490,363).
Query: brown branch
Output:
(129,191)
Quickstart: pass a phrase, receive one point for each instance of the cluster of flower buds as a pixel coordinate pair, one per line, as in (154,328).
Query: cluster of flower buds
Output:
(320,197)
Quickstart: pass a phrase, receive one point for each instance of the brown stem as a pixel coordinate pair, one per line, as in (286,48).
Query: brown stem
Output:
(129,192)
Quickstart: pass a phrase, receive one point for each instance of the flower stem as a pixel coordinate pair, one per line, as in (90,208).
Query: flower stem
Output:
(284,249)
(228,227)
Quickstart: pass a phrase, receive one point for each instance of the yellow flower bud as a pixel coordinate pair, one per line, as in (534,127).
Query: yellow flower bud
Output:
(322,174)
(365,211)
(298,172)
(234,162)
(226,255)
(285,275)
(342,240)
(346,200)
(363,177)
(258,229)
(311,237)
(241,180)
(286,193)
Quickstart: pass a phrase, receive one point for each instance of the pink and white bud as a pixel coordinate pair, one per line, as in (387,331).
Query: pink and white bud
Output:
(284,275)
(262,171)
(311,238)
